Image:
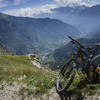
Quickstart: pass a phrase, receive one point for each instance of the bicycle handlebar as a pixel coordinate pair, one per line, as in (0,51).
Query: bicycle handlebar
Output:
(81,46)
(75,41)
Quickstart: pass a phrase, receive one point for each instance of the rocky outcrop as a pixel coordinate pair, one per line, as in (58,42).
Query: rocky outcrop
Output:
(35,60)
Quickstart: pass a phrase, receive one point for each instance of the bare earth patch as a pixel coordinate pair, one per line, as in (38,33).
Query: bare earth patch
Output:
(10,91)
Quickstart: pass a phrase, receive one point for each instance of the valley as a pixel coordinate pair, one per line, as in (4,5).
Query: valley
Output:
(29,35)
(34,49)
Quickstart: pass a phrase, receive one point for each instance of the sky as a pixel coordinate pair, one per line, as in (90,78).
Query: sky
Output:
(32,8)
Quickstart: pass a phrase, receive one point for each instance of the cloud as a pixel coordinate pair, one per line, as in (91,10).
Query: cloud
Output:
(44,9)
(77,2)
(16,2)
(4,3)
(31,12)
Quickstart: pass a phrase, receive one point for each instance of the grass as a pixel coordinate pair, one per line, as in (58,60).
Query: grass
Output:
(38,81)
(19,69)
(3,51)
(82,86)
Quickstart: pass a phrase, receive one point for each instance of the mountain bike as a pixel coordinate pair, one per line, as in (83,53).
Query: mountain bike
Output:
(90,65)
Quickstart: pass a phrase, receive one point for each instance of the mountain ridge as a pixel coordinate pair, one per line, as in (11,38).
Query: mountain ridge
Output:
(32,35)
(86,19)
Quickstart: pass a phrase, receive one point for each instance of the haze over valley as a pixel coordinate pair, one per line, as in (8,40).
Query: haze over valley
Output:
(47,32)
(34,46)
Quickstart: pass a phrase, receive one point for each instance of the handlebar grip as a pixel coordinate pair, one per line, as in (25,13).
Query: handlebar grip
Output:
(75,42)
(71,38)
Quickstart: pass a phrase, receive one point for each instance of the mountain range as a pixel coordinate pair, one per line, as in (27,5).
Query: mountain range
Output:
(95,34)
(86,19)
(22,35)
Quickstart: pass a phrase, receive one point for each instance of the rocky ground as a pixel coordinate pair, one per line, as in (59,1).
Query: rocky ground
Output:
(22,80)
(10,91)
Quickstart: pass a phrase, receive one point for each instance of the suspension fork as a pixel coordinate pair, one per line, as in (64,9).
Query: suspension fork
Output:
(80,52)
(63,69)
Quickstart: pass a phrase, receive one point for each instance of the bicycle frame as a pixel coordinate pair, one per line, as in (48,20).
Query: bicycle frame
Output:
(67,72)
(82,54)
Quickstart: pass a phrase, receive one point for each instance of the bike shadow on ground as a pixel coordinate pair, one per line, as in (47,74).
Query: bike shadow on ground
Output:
(77,93)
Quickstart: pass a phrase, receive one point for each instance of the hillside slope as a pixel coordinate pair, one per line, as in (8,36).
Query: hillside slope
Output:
(20,80)
(30,80)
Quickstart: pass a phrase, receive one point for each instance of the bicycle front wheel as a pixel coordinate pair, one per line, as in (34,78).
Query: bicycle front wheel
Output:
(66,76)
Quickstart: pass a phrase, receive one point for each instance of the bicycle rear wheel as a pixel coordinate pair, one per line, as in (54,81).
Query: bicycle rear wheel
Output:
(96,60)
(95,66)
(66,76)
